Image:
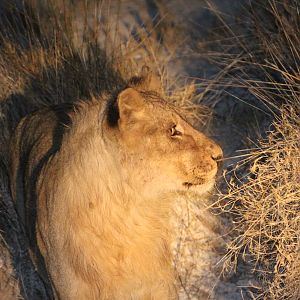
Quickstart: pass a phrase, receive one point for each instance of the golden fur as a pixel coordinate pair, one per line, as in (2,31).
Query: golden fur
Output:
(92,185)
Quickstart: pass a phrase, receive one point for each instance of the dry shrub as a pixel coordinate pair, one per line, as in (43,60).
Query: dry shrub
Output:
(267,209)
(264,201)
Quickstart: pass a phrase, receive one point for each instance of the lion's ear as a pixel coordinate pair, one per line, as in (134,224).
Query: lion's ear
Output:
(145,81)
(130,103)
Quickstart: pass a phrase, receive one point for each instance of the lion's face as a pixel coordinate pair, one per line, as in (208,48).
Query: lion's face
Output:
(163,150)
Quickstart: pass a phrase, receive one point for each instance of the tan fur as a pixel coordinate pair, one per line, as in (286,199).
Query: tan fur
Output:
(102,193)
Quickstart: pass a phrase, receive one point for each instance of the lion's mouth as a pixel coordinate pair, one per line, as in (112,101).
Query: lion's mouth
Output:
(200,187)
(198,182)
(188,184)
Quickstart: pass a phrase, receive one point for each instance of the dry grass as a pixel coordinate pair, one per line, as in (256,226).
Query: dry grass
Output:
(263,194)
(266,210)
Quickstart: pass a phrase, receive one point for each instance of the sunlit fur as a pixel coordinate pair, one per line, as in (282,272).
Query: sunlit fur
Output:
(103,199)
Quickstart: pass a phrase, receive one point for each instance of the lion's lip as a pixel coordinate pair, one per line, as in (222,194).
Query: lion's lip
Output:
(198,182)
(188,184)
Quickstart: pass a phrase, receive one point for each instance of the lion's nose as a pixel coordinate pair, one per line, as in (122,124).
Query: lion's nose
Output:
(217,154)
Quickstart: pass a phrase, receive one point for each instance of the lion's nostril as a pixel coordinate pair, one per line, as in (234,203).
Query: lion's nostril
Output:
(217,157)
(216,153)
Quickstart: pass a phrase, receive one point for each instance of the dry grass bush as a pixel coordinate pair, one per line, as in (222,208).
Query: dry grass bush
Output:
(267,210)
(264,200)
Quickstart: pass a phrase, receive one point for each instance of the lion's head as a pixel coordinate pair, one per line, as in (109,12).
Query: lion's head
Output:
(158,148)
(142,142)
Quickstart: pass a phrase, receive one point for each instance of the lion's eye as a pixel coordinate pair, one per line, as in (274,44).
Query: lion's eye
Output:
(175,132)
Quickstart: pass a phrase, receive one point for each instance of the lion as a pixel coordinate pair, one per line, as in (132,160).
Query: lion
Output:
(92,183)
